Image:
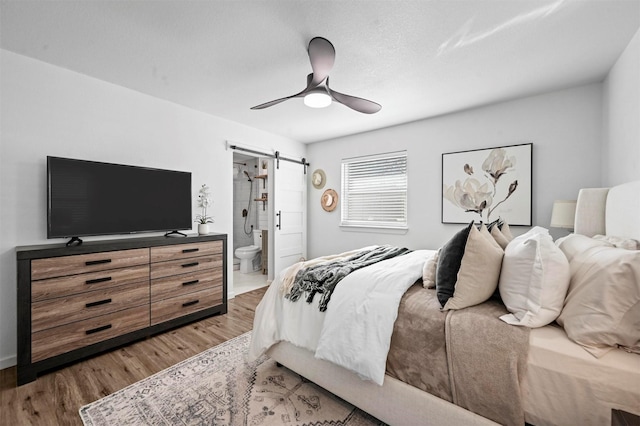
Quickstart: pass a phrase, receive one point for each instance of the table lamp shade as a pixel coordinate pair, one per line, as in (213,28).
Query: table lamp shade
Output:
(563,214)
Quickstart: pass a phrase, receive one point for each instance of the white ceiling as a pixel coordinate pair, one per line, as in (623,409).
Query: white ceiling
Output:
(417,58)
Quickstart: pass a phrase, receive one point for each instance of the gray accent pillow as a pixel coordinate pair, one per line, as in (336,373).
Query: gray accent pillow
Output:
(449,263)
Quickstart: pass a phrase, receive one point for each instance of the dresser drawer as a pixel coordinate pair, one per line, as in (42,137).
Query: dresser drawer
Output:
(164,288)
(65,310)
(74,284)
(82,263)
(175,307)
(185,251)
(58,340)
(185,266)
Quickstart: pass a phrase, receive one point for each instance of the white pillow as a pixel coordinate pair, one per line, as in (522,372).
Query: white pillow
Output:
(602,308)
(429,270)
(534,279)
(625,243)
(574,244)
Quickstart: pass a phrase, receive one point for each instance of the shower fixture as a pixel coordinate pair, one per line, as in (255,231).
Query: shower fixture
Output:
(248,209)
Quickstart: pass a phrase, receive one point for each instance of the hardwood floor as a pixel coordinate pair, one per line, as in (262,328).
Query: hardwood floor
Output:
(55,398)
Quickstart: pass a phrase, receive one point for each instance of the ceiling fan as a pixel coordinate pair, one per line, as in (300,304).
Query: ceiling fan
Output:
(317,94)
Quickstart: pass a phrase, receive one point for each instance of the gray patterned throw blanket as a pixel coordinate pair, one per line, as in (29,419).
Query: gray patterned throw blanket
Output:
(323,278)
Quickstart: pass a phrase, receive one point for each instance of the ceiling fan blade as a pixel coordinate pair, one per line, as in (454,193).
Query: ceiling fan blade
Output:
(271,103)
(322,56)
(355,103)
(277,101)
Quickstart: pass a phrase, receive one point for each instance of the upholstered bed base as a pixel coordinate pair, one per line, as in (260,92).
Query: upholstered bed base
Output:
(599,211)
(395,403)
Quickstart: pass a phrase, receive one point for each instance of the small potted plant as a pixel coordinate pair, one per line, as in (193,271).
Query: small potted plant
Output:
(204,201)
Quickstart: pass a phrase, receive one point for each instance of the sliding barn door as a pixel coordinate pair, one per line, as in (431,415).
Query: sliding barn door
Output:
(290,215)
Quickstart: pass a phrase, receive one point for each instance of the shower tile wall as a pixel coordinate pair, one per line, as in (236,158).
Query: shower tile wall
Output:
(262,216)
(257,216)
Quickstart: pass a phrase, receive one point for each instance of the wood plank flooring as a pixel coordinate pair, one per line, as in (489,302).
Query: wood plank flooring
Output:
(55,398)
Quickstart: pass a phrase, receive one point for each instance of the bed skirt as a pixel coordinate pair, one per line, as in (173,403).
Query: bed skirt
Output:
(395,403)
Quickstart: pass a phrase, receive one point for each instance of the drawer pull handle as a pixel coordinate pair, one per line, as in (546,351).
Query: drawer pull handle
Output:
(191,282)
(98,280)
(191,250)
(97,262)
(97,329)
(187,265)
(98,303)
(193,302)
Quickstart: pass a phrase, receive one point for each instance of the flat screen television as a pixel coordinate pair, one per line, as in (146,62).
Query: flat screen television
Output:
(93,198)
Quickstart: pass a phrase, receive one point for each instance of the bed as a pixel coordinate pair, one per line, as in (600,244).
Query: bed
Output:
(562,382)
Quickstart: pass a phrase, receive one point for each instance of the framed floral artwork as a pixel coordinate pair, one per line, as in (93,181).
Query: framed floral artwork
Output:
(487,184)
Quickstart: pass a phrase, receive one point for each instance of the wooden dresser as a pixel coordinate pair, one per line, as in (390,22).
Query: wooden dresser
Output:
(74,302)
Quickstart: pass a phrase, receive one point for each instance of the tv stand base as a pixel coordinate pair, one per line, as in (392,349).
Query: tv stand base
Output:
(74,241)
(175,234)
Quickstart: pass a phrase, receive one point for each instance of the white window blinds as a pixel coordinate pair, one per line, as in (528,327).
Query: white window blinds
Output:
(374,191)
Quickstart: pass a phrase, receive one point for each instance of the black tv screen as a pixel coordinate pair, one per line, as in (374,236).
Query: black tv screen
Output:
(93,198)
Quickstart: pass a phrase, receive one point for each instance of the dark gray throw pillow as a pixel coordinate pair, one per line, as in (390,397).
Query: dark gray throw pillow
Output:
(449,263)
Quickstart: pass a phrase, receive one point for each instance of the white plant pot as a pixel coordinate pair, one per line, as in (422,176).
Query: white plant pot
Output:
(203,228)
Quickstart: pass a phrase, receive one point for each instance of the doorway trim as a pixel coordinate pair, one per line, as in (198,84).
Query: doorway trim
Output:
(275,157)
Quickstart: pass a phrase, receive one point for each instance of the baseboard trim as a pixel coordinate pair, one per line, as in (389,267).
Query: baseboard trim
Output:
(9,361)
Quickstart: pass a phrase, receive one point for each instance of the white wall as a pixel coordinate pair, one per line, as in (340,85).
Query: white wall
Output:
(46,110)
(564,126)
(621,134)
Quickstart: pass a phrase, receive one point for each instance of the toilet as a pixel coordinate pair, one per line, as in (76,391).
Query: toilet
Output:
(250,255)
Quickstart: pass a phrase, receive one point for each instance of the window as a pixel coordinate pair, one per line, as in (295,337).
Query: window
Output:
(374,191)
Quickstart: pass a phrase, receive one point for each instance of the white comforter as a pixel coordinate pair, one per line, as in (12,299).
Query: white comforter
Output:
(355,331)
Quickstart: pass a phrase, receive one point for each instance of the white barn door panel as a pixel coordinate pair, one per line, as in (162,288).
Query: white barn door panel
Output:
(290,215)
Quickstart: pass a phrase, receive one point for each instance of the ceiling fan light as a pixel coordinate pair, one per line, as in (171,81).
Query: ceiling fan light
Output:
(317,100)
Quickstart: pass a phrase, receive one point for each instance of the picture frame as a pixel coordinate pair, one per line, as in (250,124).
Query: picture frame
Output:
(489,183)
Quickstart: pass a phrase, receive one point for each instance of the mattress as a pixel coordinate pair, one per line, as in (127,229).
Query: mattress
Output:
(566,385)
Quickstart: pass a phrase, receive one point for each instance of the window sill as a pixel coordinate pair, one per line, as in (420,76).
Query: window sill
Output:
(373,229)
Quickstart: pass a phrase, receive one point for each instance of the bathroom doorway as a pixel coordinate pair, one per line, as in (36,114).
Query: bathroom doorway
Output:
(251,221)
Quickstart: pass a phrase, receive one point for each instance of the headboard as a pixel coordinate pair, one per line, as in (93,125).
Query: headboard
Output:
(609,211)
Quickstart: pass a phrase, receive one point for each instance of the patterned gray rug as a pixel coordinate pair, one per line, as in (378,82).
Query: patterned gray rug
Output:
(220,387)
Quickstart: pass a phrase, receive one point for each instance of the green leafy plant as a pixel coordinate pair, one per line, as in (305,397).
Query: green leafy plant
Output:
(204,201)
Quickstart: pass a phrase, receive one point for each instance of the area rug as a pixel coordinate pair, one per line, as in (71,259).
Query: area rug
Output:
(220,387)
